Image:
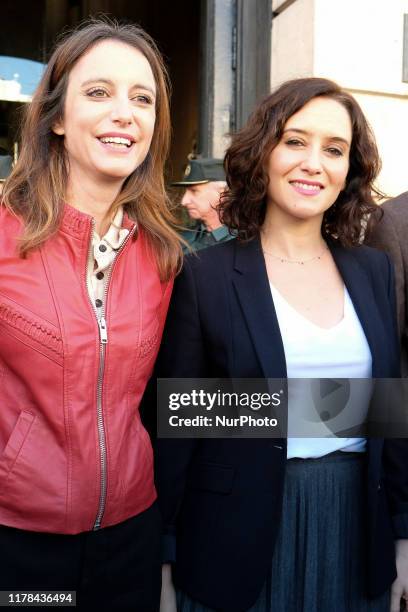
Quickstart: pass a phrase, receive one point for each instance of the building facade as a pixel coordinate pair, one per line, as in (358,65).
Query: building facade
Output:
(224,55)
(360,44)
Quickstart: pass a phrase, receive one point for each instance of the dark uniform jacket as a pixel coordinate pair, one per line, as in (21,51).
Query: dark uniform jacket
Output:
(198,237)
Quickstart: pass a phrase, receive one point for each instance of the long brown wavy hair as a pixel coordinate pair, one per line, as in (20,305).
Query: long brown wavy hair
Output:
(36,188)
(243,206)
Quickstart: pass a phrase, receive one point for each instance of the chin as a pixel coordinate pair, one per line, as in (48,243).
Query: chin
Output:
(307,215)
(117,174)
(119,169)
(302,211)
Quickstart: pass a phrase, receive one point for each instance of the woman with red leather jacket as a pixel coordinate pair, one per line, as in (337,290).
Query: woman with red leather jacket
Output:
(87,257)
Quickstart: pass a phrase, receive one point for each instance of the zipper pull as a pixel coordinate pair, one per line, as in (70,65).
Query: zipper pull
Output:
(103,330)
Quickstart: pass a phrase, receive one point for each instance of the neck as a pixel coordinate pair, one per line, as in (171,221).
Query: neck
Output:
(211,221)
(210,227)
(291,238)
(92,198)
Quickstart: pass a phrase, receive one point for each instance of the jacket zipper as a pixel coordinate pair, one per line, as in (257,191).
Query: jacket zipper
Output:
(103,340)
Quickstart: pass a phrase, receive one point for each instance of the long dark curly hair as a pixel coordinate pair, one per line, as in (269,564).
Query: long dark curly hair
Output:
(243,205)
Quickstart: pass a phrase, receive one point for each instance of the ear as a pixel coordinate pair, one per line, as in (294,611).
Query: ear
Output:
(58,129)
(221,186)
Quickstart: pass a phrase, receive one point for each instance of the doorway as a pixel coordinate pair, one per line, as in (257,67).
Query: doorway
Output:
(175,26)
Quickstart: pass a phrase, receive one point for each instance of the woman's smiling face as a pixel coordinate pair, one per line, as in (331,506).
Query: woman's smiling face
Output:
(109,113)
(308,167)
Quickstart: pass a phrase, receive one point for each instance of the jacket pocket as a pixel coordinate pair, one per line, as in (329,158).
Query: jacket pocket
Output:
(30,330)
(16,442)
(212,477)
(149,338)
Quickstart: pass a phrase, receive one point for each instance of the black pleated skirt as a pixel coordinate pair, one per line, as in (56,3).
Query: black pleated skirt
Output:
(318,563)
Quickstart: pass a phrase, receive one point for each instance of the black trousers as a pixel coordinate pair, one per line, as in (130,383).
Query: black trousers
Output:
(115,567)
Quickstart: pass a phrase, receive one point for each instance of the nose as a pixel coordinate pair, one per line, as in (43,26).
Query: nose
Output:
(185,200)
(122,110)
(312,162)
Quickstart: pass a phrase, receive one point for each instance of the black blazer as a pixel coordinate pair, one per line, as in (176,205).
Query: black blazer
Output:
(221,498)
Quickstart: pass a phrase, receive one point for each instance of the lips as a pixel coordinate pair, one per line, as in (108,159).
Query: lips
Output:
(118,141)
(307,187)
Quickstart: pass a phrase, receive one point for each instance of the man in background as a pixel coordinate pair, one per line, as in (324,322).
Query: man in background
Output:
(391,235)
(204,182)
(5,167)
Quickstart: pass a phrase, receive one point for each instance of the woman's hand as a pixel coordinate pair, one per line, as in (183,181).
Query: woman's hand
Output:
(168,594)
(399,587)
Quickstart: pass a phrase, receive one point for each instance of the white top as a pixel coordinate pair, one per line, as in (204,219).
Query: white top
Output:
(321,407)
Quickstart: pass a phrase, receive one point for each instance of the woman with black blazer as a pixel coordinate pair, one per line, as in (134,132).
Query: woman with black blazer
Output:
(290,524)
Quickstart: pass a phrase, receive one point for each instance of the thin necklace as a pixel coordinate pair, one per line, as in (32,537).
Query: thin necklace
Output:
(300,262)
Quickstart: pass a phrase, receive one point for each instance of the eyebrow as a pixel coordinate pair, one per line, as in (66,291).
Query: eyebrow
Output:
(109,82)
(306,133)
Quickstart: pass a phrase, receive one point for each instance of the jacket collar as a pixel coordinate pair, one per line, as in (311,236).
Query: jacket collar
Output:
(78,224)
(75,222)
(252,286)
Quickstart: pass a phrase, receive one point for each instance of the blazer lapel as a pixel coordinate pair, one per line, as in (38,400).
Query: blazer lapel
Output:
(252,287)
(360,289)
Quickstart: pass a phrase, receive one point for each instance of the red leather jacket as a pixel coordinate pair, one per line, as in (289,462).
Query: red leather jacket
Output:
(74,455)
